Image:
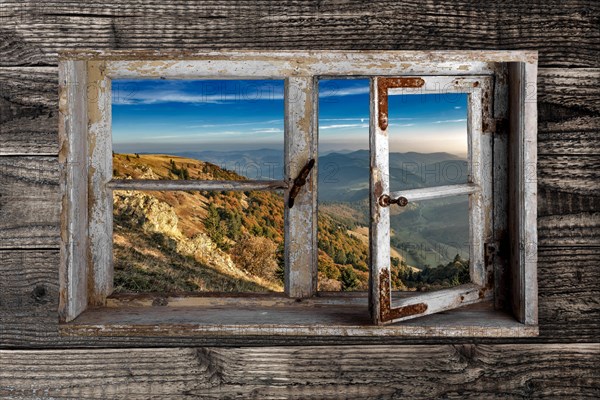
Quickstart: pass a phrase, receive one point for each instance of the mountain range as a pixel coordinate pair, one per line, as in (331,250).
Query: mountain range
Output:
(344,176)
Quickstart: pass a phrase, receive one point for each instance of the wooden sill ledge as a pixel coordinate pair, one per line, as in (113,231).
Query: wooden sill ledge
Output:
(273,316)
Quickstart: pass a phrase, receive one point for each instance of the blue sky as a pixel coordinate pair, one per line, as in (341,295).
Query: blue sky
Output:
(165,116)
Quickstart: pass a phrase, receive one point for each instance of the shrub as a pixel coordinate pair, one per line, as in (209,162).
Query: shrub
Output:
(257,255)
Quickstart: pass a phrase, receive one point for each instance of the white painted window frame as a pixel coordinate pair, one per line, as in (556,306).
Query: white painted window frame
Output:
(86,157)
(479,189)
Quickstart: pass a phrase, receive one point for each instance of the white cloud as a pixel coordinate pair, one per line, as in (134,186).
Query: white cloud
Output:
(131,92)
(339,126)
(334,91)
(449,121)
(343,119)
(273,121)
(267,130)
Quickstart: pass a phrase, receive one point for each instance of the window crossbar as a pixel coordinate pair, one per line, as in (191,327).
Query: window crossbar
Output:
(193,185)
(436,192)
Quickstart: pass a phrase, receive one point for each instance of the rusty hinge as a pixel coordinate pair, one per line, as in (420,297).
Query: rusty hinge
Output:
(383,84)
(300,181)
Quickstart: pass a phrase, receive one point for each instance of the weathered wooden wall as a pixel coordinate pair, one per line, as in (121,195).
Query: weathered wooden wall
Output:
(563,362)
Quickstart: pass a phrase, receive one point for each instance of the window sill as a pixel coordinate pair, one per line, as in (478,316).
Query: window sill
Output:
(274,316)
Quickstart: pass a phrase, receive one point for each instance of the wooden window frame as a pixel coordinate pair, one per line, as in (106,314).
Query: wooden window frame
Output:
(87,183)
(480,122)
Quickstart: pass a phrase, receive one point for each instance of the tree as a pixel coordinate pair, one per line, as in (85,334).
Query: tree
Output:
(234,223)
(340,257)
(280,257)
(349,279)
(257,255)
(212,222)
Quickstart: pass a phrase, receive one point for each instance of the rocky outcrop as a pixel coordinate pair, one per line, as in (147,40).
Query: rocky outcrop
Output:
(151,215)
(146,212)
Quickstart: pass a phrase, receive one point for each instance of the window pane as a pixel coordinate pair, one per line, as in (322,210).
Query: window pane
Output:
(343,194)
(430,244)
(179,241)
(428,140)
(236,125)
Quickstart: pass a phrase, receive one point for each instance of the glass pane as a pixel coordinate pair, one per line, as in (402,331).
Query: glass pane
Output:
(343,196)
(430,244)
(428,141)
(198,241)
(236,125)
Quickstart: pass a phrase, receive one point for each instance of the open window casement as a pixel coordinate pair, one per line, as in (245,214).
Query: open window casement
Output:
(384,307)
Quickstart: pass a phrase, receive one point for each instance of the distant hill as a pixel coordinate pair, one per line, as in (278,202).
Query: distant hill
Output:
(252,164)
(345,174)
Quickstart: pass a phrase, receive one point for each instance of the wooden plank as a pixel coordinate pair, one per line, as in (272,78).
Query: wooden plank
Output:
(29,202)
(272,64)
(73,161)
(569,87)
(100,203)
(571,135)
(567,173)
(568,199)
(29,281)
(379,231)
(131,184)
(291,320)
(569,287)
(301,219)
(438,371)
(565,33)
(28,111)
(553,203)
(443,300)
(570,230)
(522,173)
(568,108)
(501,274)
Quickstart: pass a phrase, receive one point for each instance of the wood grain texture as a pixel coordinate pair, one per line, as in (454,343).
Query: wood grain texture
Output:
(569,306)
(29,281)
(28,111)
(568,111)
(565,33)
(467,371)
(29,202)
(569,291)
(568,186)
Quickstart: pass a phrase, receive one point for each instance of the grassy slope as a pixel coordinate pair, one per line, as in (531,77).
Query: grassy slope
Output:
(146,261)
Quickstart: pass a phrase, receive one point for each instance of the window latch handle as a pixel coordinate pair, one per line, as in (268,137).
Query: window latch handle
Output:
(300,181)
(385,201)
